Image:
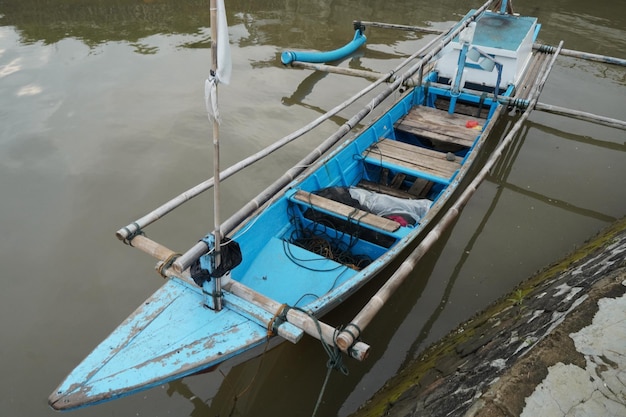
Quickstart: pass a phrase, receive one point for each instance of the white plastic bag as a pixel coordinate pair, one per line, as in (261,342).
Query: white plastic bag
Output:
(386,205)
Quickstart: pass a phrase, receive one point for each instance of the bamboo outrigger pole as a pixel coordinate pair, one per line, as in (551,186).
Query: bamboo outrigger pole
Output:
(577,114)
(352,331)
(582,55)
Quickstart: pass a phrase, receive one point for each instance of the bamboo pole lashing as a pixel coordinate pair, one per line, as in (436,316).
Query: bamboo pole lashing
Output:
(306,322)
(297,318)
(152,248)
(366,315)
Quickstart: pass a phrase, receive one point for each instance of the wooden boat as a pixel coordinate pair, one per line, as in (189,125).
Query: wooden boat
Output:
(319,234)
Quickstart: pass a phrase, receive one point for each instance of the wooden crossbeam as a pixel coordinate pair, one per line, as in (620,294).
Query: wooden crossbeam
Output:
(412,159)
(358,216)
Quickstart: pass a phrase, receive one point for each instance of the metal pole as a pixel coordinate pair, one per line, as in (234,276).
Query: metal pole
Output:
(217,234)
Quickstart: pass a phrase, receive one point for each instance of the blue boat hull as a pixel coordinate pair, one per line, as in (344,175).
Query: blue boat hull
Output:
(302,250)
(170,336)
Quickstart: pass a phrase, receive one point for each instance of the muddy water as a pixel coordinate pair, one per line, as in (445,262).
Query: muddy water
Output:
(102,119)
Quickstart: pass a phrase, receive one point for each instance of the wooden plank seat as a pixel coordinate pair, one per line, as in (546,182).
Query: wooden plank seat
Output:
(439,126)
(413,160)
(345,211)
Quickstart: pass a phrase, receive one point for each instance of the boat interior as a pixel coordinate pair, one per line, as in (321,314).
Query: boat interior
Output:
(405,161)
(355,206)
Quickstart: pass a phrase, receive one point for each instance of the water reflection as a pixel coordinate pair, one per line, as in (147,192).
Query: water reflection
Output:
(304,24)
(610,145)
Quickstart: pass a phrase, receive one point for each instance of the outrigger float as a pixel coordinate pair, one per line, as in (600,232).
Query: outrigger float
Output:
(318,234)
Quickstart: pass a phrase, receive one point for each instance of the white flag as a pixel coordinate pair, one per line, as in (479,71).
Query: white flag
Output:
(224,65)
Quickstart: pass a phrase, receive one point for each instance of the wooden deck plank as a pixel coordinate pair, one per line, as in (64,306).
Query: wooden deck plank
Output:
(357,216)
(419,189)
(439,125)
(413,159)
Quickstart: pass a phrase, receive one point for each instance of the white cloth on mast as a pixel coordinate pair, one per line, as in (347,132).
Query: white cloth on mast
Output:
(210,99)
(224,65)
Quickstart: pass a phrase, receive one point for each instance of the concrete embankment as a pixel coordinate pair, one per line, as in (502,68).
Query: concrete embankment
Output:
(556,346)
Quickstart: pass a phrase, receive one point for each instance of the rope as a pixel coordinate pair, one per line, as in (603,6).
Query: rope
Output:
(279,318)
(131,235)
(237,396)
(167,264)
(358,329)
(319,398)
(316,238)
(335,357)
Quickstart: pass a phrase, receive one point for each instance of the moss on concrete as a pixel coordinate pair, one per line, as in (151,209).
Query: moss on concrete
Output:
(452,375)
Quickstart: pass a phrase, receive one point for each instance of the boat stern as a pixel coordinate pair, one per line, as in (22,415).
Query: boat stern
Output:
(504,38)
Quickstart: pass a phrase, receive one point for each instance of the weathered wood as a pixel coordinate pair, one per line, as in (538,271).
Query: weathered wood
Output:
(460,108)
(358,216)
(384,189)
(163,254)
(300,319)
(439,125)
(411,159)
(421,187)
(152,248)
(523,88)
(397,180)
(297,318)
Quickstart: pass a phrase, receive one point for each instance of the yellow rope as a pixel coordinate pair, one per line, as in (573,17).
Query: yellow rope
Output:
(270,325)
(167,263)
